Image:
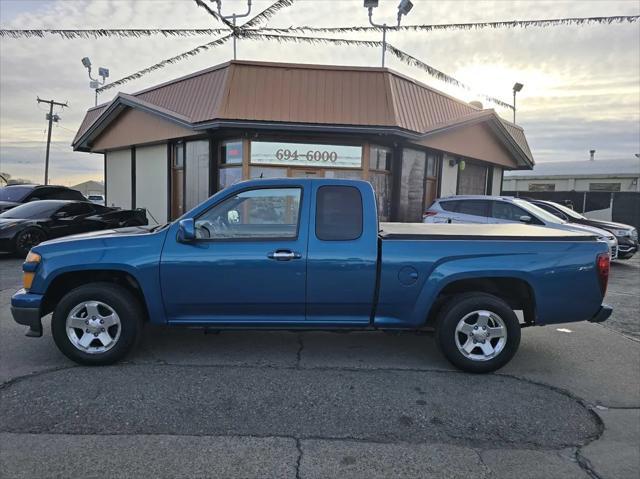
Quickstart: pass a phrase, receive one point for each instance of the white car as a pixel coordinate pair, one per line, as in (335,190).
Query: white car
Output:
(505,209)
(96,199)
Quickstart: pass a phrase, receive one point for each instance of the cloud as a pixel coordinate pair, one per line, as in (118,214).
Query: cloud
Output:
(581,84)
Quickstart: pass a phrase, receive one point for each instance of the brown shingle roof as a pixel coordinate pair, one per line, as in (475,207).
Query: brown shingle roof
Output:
(304,94)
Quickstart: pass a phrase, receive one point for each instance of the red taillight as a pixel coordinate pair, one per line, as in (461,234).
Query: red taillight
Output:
(429,213)
(602,264)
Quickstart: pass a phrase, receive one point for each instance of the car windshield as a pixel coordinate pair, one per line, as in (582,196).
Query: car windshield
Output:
(95,197)
(36,209)
(568,211)
(14,193)
(539,212)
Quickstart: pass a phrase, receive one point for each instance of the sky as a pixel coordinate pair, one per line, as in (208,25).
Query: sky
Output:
(581,84)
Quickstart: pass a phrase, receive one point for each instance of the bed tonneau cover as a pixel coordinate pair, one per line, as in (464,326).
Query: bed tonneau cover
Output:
(506,232)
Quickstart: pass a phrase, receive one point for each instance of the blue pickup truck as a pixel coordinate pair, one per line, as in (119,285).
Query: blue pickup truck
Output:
(310,254)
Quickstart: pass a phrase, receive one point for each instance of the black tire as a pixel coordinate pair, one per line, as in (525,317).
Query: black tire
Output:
(27,239)
(462,305)
(120,300)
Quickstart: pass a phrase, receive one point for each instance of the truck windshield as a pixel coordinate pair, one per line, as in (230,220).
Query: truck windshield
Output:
(37,209)
(539,212)
(14,193)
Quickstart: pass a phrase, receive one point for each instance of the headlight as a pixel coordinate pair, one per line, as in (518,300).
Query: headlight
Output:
(6,226)
(29,269)
(621,232)
(33,258)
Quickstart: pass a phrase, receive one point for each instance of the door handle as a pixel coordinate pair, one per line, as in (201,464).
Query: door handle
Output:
(283,255)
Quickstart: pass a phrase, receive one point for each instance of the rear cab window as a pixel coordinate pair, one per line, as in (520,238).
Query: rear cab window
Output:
(338,213)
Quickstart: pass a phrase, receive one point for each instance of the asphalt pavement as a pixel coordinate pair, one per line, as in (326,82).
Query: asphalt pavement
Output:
(321,405)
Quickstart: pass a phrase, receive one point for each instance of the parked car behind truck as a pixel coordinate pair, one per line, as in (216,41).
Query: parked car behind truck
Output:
(309,254)
(29,224)
(626,235)
(484,209)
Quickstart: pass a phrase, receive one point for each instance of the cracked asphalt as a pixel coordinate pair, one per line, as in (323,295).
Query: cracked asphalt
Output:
(321,405)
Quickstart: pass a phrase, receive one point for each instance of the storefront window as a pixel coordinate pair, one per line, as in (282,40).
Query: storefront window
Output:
(412,184)
(197,172)
(379,158)
(472,179)
(305,155)
(231,152)
(229,176)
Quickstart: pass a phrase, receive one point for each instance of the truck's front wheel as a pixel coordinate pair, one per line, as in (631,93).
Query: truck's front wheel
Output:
(478,332)
(97,324)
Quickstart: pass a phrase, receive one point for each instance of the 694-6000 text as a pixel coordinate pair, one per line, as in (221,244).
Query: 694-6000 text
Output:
(284,154)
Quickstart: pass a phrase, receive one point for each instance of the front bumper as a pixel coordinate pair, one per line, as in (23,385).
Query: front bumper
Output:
(603,314)
(25,309)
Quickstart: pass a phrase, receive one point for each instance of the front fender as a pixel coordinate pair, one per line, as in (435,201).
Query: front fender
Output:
(136,255)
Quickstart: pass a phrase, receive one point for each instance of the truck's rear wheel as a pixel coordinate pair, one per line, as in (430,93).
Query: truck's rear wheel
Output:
(478,332)
(97,324)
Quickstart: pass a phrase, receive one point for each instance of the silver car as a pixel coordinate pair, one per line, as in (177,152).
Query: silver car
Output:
(505,209)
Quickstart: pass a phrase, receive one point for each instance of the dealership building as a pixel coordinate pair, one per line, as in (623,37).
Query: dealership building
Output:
(171,146)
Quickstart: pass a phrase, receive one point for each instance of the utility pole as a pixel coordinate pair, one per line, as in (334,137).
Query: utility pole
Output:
(51,117)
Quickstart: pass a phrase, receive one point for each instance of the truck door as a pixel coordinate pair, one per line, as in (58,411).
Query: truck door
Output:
(247,264)
(342,256)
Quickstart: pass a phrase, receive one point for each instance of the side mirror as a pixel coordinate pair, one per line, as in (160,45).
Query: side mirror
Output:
(525,219)
(186,230)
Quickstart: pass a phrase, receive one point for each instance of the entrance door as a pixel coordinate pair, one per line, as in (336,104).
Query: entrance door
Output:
(247,264)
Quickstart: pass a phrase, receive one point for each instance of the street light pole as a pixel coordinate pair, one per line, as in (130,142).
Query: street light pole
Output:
(404,7)
(95,83)
(234,17)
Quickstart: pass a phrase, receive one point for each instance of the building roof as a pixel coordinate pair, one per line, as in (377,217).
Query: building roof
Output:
(376,100)
(584,168)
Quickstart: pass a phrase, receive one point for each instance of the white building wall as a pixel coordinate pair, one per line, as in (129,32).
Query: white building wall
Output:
(151,182)
(449,178)
(118,178)
(496,182)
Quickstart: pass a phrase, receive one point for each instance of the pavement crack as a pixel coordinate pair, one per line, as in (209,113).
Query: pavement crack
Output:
(299,459)
(586,465)
(35,374)
(484,464)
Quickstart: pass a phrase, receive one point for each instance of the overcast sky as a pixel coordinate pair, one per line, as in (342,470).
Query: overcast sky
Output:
(582,84)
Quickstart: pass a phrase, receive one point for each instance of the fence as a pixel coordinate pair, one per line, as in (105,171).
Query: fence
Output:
(623,206)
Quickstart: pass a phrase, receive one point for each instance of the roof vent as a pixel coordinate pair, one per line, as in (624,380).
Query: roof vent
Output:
(592,155)
(476,103)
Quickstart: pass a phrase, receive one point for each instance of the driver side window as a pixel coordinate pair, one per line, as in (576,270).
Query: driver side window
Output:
(264,213)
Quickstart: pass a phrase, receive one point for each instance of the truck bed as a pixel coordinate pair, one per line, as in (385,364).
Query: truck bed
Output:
(506,232)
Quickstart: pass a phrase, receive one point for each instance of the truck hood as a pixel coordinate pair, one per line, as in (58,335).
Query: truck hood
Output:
(103,234)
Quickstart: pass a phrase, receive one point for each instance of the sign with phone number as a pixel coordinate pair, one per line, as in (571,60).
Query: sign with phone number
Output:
(305,154)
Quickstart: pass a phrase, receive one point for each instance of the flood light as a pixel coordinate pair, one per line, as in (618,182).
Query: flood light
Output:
(517,86)
(86,62)
(103,72)
(370,3)
(404,7)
